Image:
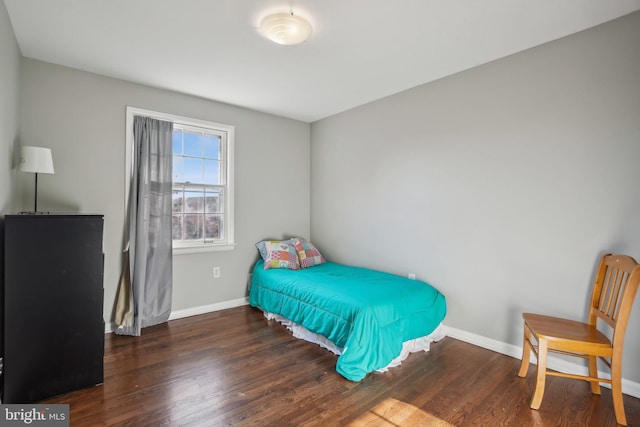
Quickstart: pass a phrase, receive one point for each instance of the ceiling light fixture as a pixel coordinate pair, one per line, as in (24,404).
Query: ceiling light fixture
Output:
(285,28)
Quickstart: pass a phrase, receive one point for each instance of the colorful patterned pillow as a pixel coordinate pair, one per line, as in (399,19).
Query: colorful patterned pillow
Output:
(281,255)
(308,254)
(262,248)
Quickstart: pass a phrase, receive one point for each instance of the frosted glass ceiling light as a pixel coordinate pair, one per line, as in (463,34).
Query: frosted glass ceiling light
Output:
(285,28)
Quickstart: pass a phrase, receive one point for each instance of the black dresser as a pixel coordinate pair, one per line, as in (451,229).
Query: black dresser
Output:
(53,301)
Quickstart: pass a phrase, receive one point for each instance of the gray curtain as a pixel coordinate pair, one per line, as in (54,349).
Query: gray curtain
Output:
(144,294)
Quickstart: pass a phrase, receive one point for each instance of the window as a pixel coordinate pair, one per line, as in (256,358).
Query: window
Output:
(202,171)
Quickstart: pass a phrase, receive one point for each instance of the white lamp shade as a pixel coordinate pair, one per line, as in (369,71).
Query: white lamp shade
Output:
(35,159)
(285,28)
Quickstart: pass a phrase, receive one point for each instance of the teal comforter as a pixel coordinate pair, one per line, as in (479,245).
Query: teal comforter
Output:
(368,313)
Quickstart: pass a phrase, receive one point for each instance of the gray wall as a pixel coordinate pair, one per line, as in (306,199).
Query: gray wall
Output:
(9,107)
(81,117)
(501,185)
(9,126)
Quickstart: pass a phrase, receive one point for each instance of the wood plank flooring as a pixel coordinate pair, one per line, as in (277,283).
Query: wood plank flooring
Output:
(235,368)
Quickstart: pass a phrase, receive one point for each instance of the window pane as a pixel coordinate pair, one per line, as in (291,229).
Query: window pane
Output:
(176,227)
(213,200)
(193,226)
(213,227)
(177,142)
(193,170)
(212,172)
(178,169)
(212,147)
(193,201)
(177,199)
(202,208)
(192,144)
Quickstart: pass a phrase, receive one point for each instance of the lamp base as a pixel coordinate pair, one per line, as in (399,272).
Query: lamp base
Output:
(34,213)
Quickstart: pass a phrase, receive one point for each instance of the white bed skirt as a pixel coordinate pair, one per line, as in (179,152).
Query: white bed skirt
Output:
(408,347)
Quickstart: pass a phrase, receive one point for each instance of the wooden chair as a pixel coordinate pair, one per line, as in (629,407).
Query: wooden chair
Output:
(613,293)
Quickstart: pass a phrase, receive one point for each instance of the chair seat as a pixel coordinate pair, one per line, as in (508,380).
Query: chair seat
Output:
(568,335)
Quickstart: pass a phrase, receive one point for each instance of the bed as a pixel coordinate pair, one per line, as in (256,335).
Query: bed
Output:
(370,318)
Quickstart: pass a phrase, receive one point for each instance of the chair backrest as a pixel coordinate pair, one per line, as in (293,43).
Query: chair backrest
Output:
(614,290)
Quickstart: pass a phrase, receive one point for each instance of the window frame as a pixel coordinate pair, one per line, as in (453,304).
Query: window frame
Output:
(183,247)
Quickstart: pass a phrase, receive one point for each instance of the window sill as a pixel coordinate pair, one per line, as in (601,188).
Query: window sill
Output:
(184,250)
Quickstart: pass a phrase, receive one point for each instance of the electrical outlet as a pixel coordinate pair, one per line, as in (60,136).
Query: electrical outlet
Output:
(216,272)
(412,276)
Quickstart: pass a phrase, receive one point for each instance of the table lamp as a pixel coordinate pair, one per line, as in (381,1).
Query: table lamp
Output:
(36,160)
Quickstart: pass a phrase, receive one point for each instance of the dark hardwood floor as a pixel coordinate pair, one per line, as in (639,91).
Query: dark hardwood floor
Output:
(233,368)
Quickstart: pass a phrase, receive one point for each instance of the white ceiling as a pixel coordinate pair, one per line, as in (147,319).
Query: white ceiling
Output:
(360,50)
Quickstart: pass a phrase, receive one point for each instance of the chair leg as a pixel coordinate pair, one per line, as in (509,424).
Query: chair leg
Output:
(593,373)
(616,393)
(541,374)
(526,353)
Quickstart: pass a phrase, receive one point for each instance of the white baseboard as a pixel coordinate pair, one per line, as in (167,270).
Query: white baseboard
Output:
(203,309)
(629,387)
(194,311)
